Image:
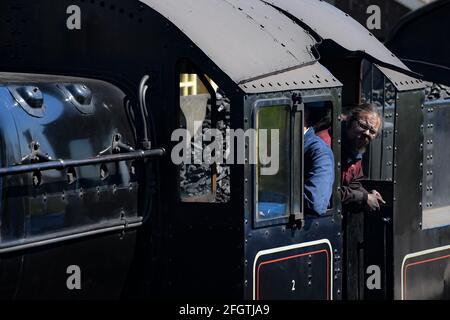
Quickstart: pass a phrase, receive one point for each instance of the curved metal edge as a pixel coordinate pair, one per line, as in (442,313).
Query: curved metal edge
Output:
(401,81)
(314,76)
(69,235)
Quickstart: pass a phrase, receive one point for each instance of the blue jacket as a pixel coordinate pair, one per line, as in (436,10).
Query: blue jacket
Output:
(318,174)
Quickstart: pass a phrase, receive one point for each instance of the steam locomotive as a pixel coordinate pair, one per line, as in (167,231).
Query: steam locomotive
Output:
(91,92)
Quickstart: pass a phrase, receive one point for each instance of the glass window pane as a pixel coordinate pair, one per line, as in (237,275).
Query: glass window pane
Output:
(273,191)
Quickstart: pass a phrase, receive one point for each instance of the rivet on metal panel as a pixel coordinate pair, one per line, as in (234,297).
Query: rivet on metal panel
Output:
(37,179)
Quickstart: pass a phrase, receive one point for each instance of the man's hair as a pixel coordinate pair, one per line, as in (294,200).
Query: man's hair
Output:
(318,118)
(354,112)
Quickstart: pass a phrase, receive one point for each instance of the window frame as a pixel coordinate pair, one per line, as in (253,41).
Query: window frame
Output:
(294,109)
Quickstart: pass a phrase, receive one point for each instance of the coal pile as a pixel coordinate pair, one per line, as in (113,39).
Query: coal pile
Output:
(435,91)
(196,179)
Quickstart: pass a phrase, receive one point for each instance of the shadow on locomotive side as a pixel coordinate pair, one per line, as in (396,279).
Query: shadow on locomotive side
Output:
(93,207)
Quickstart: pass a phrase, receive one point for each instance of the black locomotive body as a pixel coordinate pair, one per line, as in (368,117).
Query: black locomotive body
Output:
(91,98)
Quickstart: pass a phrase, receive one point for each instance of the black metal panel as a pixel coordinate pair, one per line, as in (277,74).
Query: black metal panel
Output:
(408,162)
(103,261)
(101,49)
(319,237)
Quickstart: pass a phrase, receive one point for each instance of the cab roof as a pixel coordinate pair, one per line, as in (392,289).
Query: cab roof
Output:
(330,23)
(247,39)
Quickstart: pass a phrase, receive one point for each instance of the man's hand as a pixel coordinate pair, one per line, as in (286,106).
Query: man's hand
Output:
(374,199)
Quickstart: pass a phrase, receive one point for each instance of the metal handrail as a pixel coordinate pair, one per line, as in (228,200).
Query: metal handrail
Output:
(64,164)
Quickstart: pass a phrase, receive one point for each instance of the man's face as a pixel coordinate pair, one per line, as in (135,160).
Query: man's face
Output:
(362,131)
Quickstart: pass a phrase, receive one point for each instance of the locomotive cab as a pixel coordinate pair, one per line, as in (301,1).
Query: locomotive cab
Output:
(222,86)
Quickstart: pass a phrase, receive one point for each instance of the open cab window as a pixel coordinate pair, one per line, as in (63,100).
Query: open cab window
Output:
(204,114)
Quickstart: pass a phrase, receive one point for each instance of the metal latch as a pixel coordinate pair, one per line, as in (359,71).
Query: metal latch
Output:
(36,155)
(117,146)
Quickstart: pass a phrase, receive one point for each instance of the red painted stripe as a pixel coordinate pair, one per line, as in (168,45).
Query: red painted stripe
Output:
(294,257)
(418,263)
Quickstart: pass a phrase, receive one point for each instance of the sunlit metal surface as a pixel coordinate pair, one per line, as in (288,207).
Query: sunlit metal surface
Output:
(331,23)
(313,76)
(401,81)
(40,202)
(246,39)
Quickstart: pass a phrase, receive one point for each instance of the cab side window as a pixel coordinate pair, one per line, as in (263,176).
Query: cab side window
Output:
(279,161)
(273,196)
(204,113)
